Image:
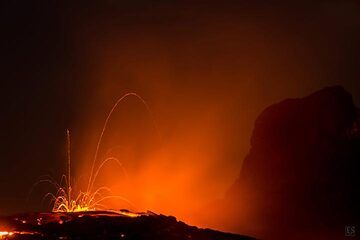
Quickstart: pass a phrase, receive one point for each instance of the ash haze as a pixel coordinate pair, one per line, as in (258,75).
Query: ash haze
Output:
(206,70)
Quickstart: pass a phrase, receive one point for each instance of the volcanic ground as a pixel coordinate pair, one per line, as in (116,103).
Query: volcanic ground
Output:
(104,225)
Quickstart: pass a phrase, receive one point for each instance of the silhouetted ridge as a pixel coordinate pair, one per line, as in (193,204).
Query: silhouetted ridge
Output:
(105,225)
(302,171)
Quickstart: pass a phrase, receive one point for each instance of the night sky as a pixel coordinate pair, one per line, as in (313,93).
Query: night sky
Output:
(206,70)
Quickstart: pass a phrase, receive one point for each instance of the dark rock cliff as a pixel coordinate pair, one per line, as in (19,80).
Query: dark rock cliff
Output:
(303,169)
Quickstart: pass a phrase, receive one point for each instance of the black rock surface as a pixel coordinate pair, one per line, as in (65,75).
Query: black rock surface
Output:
(104,225)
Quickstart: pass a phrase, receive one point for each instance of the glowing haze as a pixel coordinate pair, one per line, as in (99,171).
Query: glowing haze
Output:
(205,71)
(205,82)
(205,79)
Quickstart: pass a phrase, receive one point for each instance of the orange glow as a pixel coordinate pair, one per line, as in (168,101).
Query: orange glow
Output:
(4,234)
(205,91)
(169,180)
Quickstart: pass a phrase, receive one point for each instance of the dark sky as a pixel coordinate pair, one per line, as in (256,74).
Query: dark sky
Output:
(206,70)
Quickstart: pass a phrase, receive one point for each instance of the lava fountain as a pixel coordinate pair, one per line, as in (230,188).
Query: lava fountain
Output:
(64,199)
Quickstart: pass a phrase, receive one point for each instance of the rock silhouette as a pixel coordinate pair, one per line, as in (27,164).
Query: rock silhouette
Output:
(104,225)
(301,175)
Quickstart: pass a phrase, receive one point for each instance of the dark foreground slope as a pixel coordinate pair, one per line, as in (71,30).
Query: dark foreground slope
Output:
(301,177)
(104,225)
